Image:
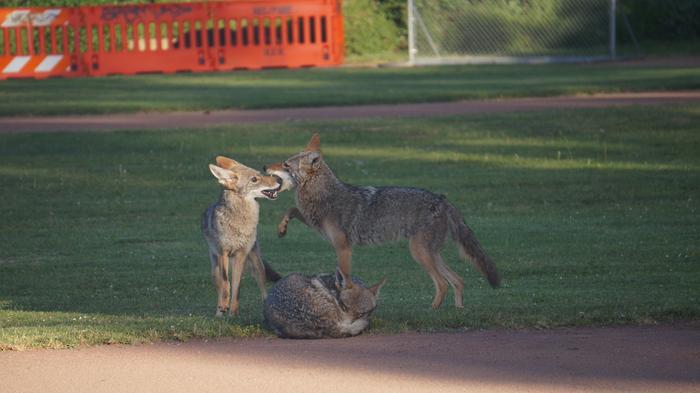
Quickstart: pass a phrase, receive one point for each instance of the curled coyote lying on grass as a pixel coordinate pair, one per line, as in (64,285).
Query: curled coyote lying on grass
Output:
(299,306)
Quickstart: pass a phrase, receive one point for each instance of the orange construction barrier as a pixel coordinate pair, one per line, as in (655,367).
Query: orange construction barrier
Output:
(165,38)
(34,42)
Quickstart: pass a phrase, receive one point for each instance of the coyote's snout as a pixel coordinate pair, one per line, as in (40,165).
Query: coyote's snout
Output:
(348,215)
(230,228)
(299,306)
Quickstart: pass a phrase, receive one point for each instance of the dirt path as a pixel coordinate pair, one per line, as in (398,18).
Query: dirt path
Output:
(199,119)
(654,359)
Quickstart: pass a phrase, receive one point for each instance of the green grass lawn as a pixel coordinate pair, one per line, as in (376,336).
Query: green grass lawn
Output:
(590,215)
(315,87)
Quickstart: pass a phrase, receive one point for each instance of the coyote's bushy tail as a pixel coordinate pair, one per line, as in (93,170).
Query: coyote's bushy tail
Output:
(469,247)
(270,274)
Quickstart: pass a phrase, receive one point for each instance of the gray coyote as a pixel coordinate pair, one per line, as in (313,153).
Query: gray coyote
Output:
(299,306)
(230,229)
(348,215)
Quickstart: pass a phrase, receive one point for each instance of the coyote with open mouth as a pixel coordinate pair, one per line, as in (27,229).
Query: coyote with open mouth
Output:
(230,228)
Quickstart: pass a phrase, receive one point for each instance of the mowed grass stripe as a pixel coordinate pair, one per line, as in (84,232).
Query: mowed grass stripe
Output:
(328,87)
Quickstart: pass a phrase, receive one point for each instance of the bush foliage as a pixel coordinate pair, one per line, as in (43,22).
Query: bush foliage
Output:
(368,29)
(664,20)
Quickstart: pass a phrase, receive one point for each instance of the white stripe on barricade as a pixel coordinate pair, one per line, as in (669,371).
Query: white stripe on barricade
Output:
(16,65)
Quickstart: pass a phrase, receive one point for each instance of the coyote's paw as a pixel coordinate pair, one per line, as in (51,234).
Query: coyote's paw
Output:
(436,304)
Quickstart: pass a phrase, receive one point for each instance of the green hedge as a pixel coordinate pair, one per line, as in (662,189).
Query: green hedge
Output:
(664,20)
(368,30)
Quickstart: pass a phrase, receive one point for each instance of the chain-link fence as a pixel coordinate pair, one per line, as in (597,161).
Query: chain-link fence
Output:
(507,31)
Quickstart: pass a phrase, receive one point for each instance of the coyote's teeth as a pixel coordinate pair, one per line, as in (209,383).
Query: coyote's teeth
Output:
(271,194)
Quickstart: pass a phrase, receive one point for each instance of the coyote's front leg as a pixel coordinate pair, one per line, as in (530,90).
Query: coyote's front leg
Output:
(290,214)
(219,275)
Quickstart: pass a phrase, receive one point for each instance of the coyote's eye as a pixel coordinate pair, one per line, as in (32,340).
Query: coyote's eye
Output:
(253,179)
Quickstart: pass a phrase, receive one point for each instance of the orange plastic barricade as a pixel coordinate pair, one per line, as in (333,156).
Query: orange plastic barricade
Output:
(165,38)
(34,42)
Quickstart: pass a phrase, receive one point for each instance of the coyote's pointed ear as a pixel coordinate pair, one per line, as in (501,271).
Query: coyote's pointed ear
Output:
(226,163)
(341,283)
(225,177)
(314,143)
(314,158)
(376,287)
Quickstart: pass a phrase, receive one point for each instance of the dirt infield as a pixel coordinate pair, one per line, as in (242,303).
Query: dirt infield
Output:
(655,359)
(145,121)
